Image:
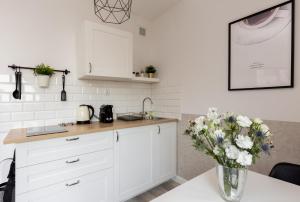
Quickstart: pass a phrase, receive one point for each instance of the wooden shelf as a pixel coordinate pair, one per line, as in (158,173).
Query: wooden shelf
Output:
(145,80)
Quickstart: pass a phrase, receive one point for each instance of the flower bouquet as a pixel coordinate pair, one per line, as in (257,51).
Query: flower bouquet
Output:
(235,142)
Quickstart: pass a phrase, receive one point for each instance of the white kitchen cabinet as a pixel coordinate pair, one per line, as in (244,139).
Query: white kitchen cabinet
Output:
(144,157)
(107,53)
(96,187)
(42,175)
(33,153)
(70,169)
(133,169)
(164,148)
(110,166)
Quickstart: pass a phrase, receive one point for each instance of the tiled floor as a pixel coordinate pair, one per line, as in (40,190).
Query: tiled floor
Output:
(155,192)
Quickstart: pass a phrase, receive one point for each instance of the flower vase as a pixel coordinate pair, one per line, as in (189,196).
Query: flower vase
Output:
(231,182)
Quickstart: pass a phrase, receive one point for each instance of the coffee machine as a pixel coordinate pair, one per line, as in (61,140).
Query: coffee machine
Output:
(106,114)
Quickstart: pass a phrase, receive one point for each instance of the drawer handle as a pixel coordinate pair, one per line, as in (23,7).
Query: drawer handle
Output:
(73,184)
(74,161)
(72,139)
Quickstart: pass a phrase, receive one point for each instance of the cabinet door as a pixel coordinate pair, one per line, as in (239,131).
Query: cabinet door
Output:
(165,145)
(97,187)
(109,51)
(134,162)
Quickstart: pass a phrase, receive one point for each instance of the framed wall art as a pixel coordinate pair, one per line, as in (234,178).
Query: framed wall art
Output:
(261,49)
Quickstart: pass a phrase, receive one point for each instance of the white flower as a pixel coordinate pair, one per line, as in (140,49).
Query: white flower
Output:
(244,121)
(258,121)
(244,142)
(217,150)
(200,120)
(212,113)
(200,124)
(217,121)
(244,158)
(265,129)
(232,152)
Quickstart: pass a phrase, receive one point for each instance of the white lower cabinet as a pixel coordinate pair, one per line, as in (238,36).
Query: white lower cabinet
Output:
(133,161)
(165,150)
(145,157)
(96,187)
(111,166)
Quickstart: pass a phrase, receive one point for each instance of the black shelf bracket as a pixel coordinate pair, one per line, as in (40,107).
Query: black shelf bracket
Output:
(15,67)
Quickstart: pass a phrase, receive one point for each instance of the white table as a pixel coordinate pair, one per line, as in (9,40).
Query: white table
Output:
(259,188)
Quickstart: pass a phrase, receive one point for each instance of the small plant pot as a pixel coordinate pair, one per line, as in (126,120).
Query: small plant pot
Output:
(43,81)
(151,75)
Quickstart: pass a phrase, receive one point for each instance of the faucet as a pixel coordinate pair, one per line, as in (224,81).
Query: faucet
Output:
(146,98)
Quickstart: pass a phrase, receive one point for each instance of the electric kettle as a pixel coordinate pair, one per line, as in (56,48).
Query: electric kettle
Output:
(85,114)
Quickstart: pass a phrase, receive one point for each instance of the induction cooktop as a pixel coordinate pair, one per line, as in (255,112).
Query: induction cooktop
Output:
(44,130)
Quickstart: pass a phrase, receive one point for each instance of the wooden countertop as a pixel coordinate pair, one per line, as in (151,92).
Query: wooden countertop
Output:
(17,136)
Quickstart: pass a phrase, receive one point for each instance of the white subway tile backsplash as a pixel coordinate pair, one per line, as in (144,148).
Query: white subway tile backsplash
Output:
(66,114)
(45,115)
(4,78)
(51,122)
(6,126)
(32,107)
(5,117)
(10,107)
(32,89)
(34,123)
(22,116)
(6,88)
(4,97)
(27,97)
(42,106)
(45,97)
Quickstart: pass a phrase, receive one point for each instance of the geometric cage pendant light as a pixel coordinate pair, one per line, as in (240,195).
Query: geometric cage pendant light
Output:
(113,11)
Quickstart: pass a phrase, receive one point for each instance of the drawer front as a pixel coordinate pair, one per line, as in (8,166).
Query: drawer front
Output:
(96,187)
(33,153)
(34,177)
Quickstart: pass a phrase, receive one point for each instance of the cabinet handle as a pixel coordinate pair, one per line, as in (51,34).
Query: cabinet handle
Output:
(72,139)
(118,138)
(90,67)
(74,161)
(73,184)
(158,129)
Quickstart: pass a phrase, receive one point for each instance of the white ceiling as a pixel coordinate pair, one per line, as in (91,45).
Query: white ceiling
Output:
(150,9)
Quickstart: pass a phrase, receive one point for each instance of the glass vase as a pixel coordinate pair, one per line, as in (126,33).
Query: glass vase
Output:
(231,182)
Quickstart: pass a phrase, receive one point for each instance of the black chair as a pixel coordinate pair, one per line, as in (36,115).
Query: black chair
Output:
(287,172)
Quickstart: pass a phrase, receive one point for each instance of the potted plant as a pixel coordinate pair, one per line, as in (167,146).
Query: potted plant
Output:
(150,70)
(235,142)
(43,73)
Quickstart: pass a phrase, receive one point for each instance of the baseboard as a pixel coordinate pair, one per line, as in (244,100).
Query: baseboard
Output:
(179,180)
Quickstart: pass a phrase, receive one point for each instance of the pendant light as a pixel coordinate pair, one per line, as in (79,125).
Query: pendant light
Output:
(113,11)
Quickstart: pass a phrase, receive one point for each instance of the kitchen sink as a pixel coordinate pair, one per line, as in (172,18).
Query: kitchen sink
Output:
(130,117)
(135,117)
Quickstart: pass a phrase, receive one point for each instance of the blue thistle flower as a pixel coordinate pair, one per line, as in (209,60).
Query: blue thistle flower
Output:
(220,140)
(231,119)
(266,148)
(260,134)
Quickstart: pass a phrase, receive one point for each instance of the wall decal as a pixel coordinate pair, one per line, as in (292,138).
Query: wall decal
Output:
(261,49)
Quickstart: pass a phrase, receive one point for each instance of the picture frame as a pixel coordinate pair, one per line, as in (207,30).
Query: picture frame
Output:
(261,49)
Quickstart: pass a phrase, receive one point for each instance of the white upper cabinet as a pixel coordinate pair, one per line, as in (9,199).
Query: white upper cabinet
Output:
(107,53)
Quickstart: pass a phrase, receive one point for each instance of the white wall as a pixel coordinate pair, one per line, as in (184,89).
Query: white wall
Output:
(35,31)
(192,50)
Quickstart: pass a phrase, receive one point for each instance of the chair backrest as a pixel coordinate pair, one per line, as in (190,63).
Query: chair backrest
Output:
(287,172)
